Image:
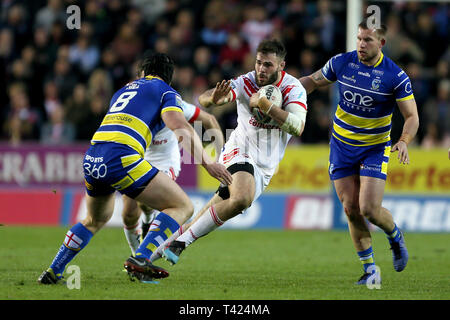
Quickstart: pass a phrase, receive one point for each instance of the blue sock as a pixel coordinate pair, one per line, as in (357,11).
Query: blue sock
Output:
(366,258)
(76,239)
(161,228)
(394,235)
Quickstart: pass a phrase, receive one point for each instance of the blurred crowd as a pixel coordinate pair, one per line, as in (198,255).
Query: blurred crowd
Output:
(56,82)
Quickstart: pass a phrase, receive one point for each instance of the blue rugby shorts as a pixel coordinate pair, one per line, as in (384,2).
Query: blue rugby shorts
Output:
(346,160)
(112,166)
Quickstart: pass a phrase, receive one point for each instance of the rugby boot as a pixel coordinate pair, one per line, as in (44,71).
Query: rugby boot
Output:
(141,268)
(48,277)
(400,254)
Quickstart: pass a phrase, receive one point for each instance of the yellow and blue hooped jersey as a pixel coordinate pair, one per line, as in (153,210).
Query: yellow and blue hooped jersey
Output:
(367,97)
(134,114)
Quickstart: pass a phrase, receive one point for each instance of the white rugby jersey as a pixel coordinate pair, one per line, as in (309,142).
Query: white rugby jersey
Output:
(264,143)
(164,151)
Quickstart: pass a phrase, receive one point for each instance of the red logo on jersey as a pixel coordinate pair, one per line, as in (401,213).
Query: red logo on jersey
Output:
(230,155)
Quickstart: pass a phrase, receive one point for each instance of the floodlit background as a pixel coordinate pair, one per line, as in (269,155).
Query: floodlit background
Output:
(56,83)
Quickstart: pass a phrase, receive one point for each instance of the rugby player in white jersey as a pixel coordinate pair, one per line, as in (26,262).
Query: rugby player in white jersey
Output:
(255,148)
(164,153)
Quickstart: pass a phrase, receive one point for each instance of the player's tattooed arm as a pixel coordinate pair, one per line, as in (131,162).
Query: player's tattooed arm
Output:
(317,76)
(314,81)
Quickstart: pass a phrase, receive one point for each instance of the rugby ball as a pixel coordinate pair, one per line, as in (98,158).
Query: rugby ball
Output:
(273,94)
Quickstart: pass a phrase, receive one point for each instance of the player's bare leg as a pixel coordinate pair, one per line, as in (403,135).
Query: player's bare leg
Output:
(371,197)
(163,194)
(347,189)
(99,211)
(130,213)
(158,253)
(242,192)
(148,214)
(214,200)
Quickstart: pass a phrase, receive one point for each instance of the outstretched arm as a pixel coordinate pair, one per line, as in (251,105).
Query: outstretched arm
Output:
(191,142)
(213,129)
(219,95)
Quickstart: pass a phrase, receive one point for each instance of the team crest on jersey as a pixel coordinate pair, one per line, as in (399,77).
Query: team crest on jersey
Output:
(376,84)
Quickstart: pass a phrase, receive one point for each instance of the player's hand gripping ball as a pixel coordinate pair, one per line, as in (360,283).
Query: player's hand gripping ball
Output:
(273,94)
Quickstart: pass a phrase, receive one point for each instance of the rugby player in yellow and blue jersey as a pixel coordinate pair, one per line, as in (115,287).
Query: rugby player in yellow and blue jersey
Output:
(115,161)
(370,86)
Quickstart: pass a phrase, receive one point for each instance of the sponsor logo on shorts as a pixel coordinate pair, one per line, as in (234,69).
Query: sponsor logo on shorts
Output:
(331,168)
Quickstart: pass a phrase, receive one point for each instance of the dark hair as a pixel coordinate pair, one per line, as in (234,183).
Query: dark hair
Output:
(157,64)
(381,31)
(272,46)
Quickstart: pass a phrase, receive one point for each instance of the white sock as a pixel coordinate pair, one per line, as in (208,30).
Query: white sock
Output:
(132,234)
(158,253)
(204,225)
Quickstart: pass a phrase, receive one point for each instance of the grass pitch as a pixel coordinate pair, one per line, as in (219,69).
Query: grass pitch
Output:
(228,265)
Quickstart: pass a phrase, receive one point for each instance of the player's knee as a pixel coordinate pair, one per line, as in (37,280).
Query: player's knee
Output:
(129,213)
(369,211)
(351,211)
